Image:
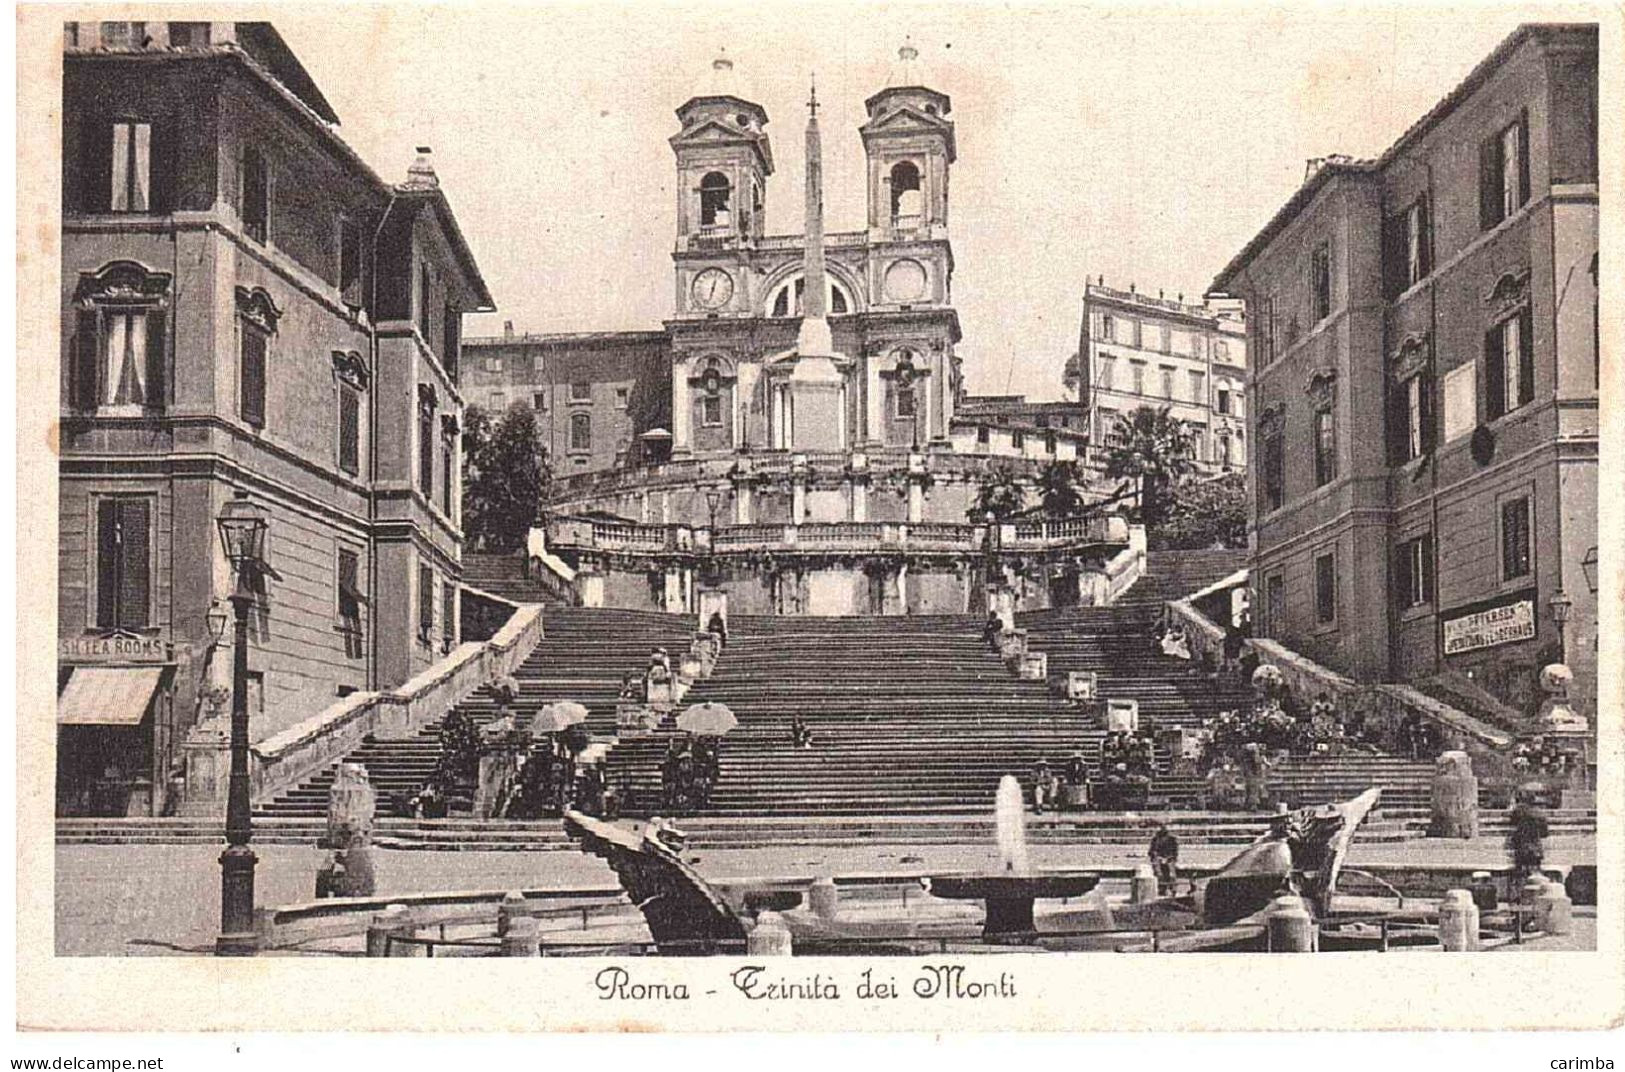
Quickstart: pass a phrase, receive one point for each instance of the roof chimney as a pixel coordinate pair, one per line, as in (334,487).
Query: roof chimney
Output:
(421,176)
(507,331)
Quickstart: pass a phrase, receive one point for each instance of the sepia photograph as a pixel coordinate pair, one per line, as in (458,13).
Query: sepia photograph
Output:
(863,482)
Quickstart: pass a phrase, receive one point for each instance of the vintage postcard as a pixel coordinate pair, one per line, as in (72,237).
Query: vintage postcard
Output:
(818,517)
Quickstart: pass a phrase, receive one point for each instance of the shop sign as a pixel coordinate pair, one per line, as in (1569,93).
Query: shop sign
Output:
(113,647)
(1489,627)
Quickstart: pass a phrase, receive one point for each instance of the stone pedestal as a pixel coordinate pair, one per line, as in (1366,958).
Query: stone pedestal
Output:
(635,720)
(1081,685)
(769,938)
(1033,666)
(1291,930)
(393,922)
(1012,645)
(523,938)
(1555,909)
(1122,716)
(352,803)
(590,587)
(1143,889)
(823,899)
(511,907)
(1455,797)
(1001,600)
(1458,922)
(207,752)
(497,766)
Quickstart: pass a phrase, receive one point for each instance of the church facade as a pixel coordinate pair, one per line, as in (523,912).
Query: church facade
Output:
(805,454)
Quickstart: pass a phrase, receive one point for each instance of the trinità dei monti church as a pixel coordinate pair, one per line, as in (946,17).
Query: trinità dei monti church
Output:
(790,443)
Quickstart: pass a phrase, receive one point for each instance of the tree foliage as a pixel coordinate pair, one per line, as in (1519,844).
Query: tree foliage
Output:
(1058,494)
(1151,446)
(505,476)
(1000,494)
(1205,513)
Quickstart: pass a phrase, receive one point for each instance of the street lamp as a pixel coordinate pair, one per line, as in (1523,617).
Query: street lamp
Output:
(216,621)
(713,499)
(1560,603)
(1588,566)
(242,527)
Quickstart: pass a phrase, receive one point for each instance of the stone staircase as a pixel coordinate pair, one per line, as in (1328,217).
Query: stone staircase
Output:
(583,656)
(909,715)
(504,576)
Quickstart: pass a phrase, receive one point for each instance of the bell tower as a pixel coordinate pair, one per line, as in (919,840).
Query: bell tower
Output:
(723,161)
(909,142)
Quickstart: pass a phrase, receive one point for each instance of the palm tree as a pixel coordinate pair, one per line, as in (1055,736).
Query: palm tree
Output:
(1072,375)
(1154,448)
(1058,489)
(1000,494)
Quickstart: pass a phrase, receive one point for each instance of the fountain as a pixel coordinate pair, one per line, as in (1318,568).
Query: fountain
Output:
(1010,892)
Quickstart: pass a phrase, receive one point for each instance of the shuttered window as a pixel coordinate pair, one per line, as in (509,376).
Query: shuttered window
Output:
(254,345)
(1407,248)
(448,615)
(1413,571)
(350,262)
(349,429)
(1503,173)
(1515,539)
(256,194)
(1326,589)
(425,603)
(1325,447)
(1509,365)
(426,451)
(123,569)
(119,358)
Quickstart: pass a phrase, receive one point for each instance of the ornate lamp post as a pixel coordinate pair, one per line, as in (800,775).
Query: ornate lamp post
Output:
(242,527)
(1560,604)
(1588,566)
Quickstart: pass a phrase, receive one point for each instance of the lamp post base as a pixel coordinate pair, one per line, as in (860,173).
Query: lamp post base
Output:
(237,937)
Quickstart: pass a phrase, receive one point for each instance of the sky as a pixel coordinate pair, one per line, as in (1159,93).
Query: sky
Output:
(1147,145)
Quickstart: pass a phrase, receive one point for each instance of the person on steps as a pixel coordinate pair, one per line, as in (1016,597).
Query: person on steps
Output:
(991,629)
(1165,859)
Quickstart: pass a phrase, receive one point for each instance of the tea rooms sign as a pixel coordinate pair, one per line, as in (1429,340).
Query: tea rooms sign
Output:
(112,647)
(1490,626)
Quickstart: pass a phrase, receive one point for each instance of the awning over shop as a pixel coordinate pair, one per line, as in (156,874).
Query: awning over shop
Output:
(107,695)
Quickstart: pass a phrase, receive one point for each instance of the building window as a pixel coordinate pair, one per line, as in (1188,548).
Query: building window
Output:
(1413,572)
(493,364)
(123,34)
(581,391)
(538,401)
(1509,364)
(254,343)
(256,194)
(711,410)
(1274,603)
(1108,329)
(188,35)
(623,396)
(1165,339)
(1221,350)
(448,465)
(132,167)
(981,434)
(1018,440)
(1167,383)
(1413,419)
(1326,588)
(905,192)
(119,357)
(425,291)
(1222,403)
(1108,366)
(1408,248)
(1224,450)
(349,429)
(425,603)
(499,401)
(123,565)
(1137,372)
(350,262)
(1269,326)
(1198,387)
(351,600)
(426,449)
(581,431)
(448,616)
(903,400)
(715,193)
(1274,483)
(1325,447)
(1515,538)
(451,340)
(1320,283)
(1049,442)
(1503,173)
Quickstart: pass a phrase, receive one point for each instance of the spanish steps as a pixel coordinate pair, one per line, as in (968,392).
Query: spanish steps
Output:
(909,715)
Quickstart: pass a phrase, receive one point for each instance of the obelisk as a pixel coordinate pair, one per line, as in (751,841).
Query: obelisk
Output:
(817,386)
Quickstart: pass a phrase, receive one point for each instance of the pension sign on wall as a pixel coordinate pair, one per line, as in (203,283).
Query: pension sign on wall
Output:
(1487,628)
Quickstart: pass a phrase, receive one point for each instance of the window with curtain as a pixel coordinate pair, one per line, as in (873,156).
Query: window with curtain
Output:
(123,565)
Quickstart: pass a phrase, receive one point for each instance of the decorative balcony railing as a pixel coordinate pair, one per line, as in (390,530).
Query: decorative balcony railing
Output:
(587,535)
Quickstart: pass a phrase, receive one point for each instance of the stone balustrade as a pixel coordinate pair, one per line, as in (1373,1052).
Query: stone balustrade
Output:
(289,757)
(1123,570)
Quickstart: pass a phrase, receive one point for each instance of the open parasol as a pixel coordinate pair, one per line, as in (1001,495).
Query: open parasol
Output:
(707,720)
(557,716)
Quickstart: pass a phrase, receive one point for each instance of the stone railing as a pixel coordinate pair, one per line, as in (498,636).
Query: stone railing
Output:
(1383,706)
(284,759)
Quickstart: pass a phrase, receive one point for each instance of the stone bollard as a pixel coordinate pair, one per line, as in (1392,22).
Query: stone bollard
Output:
(1144,885)
(523,938)
(394,921)
(1291,930)
(1458,922)
(769,938)
(1455,797)
(512,907)
(1485,895)
(1529,899)
(1556,913)
(823,898)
